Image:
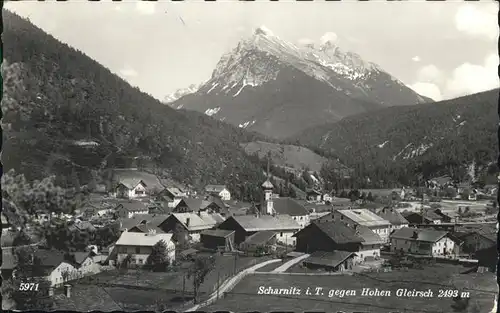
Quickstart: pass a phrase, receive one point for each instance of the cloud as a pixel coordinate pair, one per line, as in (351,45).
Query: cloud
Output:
(429,74)
(472,78)
(416,58)
(479,20)
(328,37)
(128,72)
(145,7)
(428,90)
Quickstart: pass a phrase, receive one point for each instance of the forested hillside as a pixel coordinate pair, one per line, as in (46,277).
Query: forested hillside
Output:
(66,114)
(397,144)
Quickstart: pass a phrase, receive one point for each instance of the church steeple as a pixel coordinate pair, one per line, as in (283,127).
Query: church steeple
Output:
(267,186)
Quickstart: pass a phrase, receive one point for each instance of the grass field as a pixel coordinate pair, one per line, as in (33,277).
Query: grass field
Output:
(244,296)
(144,290)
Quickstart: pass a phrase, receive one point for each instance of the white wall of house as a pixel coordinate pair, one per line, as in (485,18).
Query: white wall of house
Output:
(408,246)
(285,237)
(225,195)
(56,276)
(383,232)
(174,203)
(140,254)
(302,220)
(367,252)
(445,246)
(89,267)
(138,191)
(195,236)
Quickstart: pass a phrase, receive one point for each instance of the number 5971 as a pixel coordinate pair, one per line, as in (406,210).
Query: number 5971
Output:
(28,286)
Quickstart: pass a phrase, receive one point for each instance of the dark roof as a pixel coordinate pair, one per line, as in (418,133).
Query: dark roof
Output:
(151,219)
(368,236)
(217,232)
(418,234)
(260,237)
(146,228)
(393,216)
(131,177)
(289,206)
(50,258)
(428,214)
(488,231)
(252,223)
(337,231)
(80,257)
(132,205)
(331,259)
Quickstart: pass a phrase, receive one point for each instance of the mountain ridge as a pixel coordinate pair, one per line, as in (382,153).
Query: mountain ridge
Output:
(263,76)
(430,139)
(65,113)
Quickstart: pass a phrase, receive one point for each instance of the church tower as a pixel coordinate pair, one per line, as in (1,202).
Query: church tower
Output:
(267,203)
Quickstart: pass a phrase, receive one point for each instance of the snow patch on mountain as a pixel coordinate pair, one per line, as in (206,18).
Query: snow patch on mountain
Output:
(246,124)
(213,111)
(408,152)
(181,93)
(383,144)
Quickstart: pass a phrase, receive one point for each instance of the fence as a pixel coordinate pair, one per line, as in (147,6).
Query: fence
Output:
(302,274)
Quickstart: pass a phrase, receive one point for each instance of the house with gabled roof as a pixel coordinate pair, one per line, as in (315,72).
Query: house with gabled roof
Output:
(132,183)
(361,217)
(339,236)
(289,206)
(396,219)
(424,241)
(219,190)
(140,245)
(246,225)
(423,217)
(129,208)
(191,223)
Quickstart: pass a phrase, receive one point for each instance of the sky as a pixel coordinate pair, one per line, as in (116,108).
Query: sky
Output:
(441,49)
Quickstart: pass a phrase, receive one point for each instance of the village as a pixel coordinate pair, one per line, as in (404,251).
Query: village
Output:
(324,233)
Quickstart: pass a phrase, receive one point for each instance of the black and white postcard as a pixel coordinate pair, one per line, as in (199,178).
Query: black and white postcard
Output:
(250,156)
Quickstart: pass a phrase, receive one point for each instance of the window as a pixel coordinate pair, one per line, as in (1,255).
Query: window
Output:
(140,261)
(281,234)
(139,192)
(342,217)
(137,250)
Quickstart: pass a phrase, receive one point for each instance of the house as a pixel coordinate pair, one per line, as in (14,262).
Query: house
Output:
(477,237)
(82,226)
(127,209)
(140,245)
(363,217)
(54,266)
(131,183)
(125,224)
(445,218)
(339,236)
(216,205)
(8,263)
(265,240)
(130,189)
(191,224)
(85,263)
(424,241)
(172,195)
(216,238)
(246,225)
(423,217)
(327,198)
(218,190)
(293,208)
(146,228)
(332,261)
(190,205)
(314,195)
(396,219)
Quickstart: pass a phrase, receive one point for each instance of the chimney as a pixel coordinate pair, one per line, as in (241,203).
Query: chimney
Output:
(187,221)
(67,290)
(415,234)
